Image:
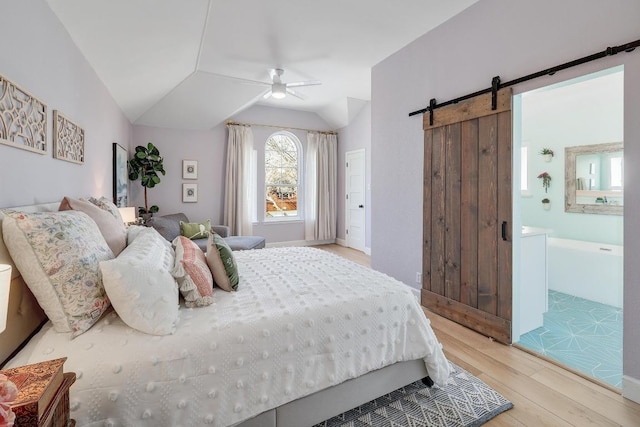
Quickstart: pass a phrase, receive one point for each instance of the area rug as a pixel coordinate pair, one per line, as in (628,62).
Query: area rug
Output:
(464,401)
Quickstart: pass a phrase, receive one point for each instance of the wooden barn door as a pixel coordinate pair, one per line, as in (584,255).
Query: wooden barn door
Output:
(467,214)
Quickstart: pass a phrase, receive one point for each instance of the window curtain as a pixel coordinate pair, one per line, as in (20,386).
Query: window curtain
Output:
(321,183)
(237,192)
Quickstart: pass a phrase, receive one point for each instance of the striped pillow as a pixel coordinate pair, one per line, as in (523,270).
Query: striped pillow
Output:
(192,273)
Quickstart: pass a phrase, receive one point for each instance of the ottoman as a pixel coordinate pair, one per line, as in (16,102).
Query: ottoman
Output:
(242,243)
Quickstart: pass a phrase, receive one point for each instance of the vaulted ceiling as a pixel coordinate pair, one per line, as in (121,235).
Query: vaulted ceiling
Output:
(182,63)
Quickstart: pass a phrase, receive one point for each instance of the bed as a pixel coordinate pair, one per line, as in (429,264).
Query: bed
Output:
(306,336)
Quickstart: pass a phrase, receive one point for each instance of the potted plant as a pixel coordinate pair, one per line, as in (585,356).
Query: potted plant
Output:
(547,153)
(546,204)
(145,166)
(546,180)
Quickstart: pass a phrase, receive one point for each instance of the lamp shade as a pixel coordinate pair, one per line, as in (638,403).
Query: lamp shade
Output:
(128,214)
(5,284)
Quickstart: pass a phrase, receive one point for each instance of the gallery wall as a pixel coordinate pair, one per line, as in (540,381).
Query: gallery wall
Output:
(42,59)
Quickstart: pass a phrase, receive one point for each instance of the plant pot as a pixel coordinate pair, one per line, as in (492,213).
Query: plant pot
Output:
(547,157)
(546,206)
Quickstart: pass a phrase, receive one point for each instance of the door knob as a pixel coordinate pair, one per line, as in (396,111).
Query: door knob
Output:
(361,206)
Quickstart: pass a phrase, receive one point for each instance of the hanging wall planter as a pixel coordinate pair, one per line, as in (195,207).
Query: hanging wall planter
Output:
(546,204)
(546,180)
(547,154)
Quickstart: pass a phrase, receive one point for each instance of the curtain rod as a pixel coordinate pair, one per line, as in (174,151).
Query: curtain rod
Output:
(496,84)
(328,132)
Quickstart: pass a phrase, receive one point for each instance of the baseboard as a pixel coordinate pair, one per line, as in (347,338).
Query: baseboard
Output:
(299,243)
(631,388)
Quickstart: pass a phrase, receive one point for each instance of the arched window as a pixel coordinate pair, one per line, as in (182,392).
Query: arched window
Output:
(282,171)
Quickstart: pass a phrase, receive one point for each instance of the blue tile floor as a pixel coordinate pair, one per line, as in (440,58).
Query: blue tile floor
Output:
(583,334)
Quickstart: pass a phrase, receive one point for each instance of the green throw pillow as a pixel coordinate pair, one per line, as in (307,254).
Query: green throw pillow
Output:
(195,230)
(228,260)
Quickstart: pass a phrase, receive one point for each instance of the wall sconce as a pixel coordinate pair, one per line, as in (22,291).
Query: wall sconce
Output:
(5,285)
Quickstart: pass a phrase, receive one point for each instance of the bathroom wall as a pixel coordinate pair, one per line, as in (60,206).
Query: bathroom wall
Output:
(583,111)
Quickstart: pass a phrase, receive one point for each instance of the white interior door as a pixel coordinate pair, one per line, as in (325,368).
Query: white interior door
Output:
(355,194)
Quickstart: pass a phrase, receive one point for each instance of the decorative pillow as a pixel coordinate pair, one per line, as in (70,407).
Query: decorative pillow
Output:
(58,255)
(214,261)
(107,205)
(192,273)
(114,231)
(195,230)
(140,286)
(225,254)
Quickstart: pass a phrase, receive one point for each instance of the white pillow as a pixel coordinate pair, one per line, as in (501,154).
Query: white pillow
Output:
(57,254)
(140,287)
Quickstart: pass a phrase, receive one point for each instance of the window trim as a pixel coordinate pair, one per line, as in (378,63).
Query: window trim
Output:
(300,196)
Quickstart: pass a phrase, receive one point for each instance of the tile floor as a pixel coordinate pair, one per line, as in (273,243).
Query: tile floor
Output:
(583,334)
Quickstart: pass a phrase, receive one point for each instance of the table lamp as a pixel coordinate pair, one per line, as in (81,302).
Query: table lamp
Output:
(128,214)
(5,284)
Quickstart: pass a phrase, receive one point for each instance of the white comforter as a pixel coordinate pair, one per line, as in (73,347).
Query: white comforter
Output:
(302,320)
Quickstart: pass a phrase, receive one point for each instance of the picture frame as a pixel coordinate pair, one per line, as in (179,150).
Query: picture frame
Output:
(68,139)
(189,169)
(189,193)
(120,176)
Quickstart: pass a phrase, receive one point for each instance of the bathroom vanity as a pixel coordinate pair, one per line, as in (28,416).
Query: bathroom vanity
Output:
(533,280)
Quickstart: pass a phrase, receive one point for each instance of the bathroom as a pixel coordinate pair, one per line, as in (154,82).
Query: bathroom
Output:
(568,303)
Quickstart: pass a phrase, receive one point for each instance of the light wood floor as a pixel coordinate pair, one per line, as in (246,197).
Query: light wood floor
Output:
(542,393)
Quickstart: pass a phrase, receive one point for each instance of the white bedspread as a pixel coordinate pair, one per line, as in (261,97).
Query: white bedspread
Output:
(302,320)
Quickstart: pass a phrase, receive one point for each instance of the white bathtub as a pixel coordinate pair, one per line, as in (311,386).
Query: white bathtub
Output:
(589,270)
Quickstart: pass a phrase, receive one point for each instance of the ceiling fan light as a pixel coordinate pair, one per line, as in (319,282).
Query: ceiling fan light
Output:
(279,90)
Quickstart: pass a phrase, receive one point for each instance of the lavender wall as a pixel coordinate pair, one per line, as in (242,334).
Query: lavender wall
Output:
(39,56)
(209,148)
(510,39)
(354,137)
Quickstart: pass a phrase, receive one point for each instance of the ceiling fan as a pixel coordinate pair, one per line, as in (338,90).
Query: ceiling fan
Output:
(280,89)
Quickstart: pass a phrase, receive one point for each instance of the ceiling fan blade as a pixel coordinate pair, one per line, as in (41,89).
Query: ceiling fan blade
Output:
(267,95)
(308,83)
(296,94)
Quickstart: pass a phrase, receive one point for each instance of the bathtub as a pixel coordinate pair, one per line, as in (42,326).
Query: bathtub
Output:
(589,270)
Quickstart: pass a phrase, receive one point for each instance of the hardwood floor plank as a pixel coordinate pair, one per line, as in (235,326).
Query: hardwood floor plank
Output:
(543,393)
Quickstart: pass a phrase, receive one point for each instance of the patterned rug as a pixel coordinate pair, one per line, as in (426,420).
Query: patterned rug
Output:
(464,401)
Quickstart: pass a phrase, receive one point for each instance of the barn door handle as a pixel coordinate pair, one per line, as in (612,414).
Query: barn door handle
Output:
(504,230)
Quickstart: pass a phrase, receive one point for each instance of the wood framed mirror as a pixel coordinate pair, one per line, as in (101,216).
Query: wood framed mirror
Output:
(594,179)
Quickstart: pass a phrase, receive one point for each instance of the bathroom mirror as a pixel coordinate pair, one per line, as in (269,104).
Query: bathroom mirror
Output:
(594,179)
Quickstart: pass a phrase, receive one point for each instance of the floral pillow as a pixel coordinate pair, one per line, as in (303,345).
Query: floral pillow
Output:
(192,273)
(58,255)
(107,205)
(112,229)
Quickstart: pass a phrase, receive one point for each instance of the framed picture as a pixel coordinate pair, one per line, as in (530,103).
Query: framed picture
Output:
(120,176)
(68,139)
(189,193)
(189,169)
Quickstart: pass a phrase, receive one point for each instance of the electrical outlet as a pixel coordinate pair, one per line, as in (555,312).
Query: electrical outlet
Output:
(418,277)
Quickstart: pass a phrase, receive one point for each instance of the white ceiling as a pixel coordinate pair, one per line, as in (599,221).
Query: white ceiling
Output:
(172,63)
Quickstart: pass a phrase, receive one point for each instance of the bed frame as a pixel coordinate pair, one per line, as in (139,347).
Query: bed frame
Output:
(26,317)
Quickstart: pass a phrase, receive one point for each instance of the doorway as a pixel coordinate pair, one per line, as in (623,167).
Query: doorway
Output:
(356,204)
(568,301)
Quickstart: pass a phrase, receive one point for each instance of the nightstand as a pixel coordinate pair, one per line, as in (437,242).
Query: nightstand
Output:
(43,394)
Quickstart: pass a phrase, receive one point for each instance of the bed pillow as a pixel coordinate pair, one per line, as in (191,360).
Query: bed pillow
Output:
(140,286)
(58,255)
(114,231)
(107,205)
(195,230)
(192,273)
(222,263)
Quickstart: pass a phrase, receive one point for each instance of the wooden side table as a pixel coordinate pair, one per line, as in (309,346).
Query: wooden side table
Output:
(43,394)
